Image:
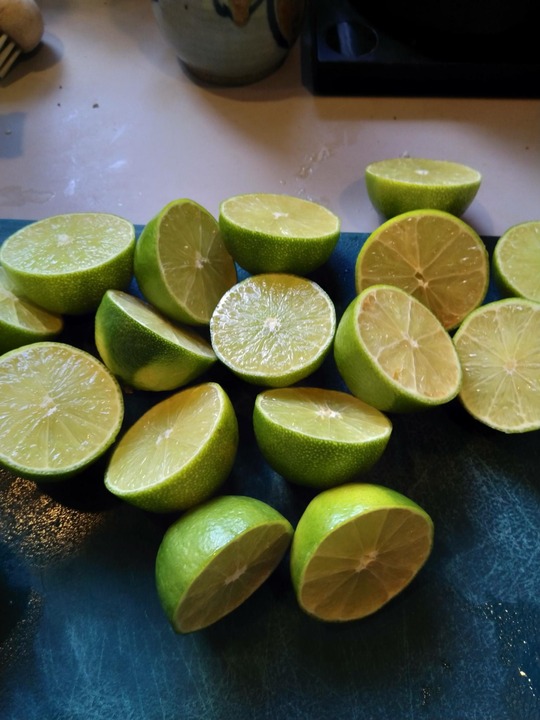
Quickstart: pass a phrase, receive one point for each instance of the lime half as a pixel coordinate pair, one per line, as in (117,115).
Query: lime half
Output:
(355,548)
(60,409)
(215,556)
(516,261)
(397,185)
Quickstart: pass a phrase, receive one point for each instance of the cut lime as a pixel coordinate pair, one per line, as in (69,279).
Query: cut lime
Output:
(178,453)
(516,261)
(394,354)
(273,233)
(181,264)
(65,263)
(398,185)
(318,437)
(499,349)
(432,255)
(145,349)
(355,548)
(60,410)
(23,322)
(215,556)
(273,329)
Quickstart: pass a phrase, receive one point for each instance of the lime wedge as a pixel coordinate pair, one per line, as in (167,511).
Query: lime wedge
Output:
(355,548)
(318,437)
(432,255)
(516,261)
(181,264)
(398,185)
(22,322)
(178,453)
(144,348)
(273,329)
(273,233)
(499,349)
(394,354)
(65,263)
(60,410)
(215,556)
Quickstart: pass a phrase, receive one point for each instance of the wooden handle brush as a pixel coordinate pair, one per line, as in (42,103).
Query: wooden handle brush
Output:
(21,30)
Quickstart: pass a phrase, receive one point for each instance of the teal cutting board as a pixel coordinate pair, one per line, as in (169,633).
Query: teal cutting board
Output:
(83,637)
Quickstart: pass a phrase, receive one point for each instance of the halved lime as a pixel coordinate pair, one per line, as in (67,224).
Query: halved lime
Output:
(21,321)
(318,437)
(355,548)
(65,263)
(60,410)
(394,354)
(516,261)
(181,264)
(499,349)
(215,556)
(398,185)
(432,255)
(144,348)
(273,329)
(273,233)
(178,453)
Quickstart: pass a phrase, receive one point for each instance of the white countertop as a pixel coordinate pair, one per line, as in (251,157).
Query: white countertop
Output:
(103,117)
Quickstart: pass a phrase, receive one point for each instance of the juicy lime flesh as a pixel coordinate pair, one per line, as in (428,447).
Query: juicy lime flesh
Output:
(324,414)
(424,171)
(167,438)
(431,255)
(517,260)
(231,576)
(20,313)
(67,243)
(271,326)
(408,344)
(499,349)
(195,265)
(280,216)
(364,563)
(59,408)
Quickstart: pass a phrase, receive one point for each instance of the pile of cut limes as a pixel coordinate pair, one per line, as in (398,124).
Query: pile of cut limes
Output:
(170,306)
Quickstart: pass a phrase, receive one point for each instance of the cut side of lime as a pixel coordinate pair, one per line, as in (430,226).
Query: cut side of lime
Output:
(21,321)
(65,263)
(434,256)
(178,453)
(273,329)
(144,348)
(273,233)
(355,548)
(318,437)
(215,556)
(516,261)
(499,349)
(181,263)
(394,354)
(60,410)
(398,185)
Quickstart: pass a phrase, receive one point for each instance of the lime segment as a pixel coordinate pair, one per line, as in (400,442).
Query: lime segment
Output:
(215,556)
(499,349)
(432,255)
(273,329)
(181,264)
(65,263)
(178,453)
(60,409)
(355,548)
(144,348)
(318,437)
(516,261)
(267,232)
(398,185)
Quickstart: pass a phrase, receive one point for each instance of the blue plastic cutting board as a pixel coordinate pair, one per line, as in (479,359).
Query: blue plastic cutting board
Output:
(83,637)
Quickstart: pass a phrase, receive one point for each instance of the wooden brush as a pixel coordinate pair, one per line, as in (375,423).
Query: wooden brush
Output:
(21,30)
